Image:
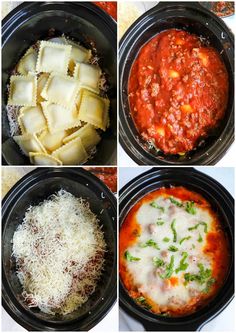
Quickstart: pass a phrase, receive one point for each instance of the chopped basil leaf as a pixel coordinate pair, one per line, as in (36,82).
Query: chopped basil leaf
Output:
(209,283)
(158,262)
(175,202)
(184,239)
(166,239)
(155,205)
(197,225)
(169,269)
(182,264)
(151,243)
(143,302)
(160,222)
(174,230)
(190,208)
(129,257)
(172,248)
(200,238)
(202,277)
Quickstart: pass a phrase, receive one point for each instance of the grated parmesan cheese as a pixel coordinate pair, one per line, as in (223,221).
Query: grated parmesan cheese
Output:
(10,177)
(59,250)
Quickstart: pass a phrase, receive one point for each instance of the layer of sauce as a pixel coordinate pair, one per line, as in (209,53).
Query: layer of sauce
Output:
(178,91)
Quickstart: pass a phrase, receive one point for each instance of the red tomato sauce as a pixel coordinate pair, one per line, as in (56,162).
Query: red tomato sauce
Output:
(108,6)
(217,246)
(178,91)
(106,174)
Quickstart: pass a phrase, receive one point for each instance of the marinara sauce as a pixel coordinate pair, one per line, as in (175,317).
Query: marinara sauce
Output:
(109,6)
(178,91)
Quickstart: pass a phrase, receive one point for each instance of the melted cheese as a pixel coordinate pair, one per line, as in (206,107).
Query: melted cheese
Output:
(162,229)
(145,274)
(57,241)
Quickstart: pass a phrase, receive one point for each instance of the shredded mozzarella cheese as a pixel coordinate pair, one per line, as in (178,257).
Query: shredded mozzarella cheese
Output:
(59,250)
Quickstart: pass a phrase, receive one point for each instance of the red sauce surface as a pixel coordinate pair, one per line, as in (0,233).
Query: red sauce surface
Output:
(178,91)
(107,174)
(217,247)
(109,6)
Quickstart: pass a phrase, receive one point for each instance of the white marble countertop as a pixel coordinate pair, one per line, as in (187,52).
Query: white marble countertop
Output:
(224,322)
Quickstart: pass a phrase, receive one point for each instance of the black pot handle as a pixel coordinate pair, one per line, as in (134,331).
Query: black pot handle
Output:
(166,327)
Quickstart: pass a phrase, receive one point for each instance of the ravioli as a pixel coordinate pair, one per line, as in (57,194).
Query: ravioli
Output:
(23,90)
(57,113)
(31,119)
(53,57)
(72,153)
(93,109)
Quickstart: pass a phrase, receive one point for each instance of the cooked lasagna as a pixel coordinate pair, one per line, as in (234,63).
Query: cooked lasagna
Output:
(59,251)
(174,254)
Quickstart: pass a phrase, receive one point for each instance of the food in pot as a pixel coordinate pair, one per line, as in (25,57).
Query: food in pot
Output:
(57,103)
(174,254)
(107,175)
(220,8)
(178,91)
(108,6)
(59,250)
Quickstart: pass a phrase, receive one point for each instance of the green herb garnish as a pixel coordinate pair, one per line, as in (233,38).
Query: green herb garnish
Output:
(160,222)
(201,277)
(158,262)
(143,302)
(166,239)
(174,230)
(129,257)
(151,243)
(169,269)
(172,248)
(155,205)
(184,239)
(209,283)
(197,225)
(175,202)
(182,264)
(200,238)
(190,208)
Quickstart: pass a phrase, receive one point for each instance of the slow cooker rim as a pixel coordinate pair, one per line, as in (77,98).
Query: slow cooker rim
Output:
(127,137)
(126,301)
(30,321)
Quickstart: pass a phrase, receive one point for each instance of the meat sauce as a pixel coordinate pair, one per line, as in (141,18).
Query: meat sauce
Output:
(108,6)
(216,247)
(178,91)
